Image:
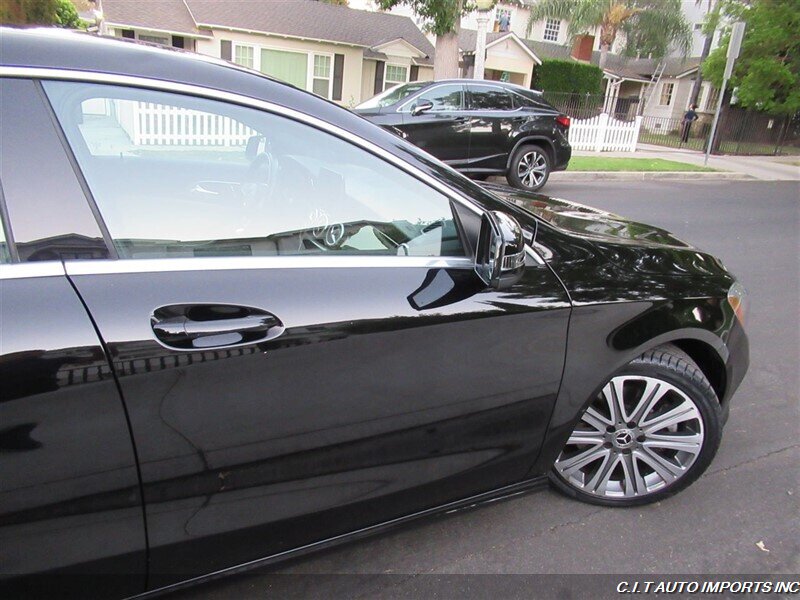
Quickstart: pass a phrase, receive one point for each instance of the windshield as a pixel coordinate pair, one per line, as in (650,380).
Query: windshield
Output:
(393,95)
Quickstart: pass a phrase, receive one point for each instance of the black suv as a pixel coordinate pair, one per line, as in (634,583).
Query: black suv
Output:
(480,128)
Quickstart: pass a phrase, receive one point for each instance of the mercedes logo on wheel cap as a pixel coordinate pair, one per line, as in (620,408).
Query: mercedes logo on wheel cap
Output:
(623,438)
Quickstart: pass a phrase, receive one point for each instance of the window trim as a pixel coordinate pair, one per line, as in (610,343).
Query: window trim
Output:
(393,82)
(235,45)
(549,30)
(167,37)
(309,86)
(311,77)
(39,73)
(671,93)
(433,87)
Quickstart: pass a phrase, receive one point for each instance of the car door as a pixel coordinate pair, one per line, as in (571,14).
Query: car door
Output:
(70,499)
(442,130)
(492,124)
(297,329)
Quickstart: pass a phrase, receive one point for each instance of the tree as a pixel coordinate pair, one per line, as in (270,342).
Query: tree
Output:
(443,19)
(27,12)
(61,13)
(709,28)
(339,2)
(767,72)
(650,26)
(67,15)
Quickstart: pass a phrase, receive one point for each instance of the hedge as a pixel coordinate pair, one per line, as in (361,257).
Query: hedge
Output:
(568,76)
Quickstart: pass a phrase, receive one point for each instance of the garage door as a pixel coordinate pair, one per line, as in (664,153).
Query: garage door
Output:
(291,67)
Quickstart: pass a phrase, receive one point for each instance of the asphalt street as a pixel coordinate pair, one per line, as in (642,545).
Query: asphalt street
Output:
(749,494)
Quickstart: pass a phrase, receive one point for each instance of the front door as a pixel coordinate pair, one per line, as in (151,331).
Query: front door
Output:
(442,130)
(298,332)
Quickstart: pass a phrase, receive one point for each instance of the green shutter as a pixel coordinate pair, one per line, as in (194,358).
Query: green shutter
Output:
(291,67)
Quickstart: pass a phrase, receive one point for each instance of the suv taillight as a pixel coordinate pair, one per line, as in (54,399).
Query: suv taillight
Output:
(563,120)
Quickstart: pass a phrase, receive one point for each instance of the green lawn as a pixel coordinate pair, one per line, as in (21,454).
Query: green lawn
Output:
(600,163)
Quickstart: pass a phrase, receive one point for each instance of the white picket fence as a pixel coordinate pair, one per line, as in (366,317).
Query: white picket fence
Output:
(604,134)
(156,124)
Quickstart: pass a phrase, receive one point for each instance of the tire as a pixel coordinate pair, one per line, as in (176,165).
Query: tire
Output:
(661,440)
(479,176)
(530,168)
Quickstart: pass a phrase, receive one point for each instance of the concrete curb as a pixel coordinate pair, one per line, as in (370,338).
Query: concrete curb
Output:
(648,175)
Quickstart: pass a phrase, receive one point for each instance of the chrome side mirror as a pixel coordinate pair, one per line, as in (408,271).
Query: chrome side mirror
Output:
(500,257)
(421,108)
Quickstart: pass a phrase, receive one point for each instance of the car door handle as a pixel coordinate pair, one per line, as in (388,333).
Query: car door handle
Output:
(192,326)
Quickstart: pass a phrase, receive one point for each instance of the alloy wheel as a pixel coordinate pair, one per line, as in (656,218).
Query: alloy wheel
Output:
(638,436)
(532,169)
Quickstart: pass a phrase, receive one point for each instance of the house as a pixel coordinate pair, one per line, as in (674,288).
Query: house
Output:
(657,88)
(631,84)
(339,53)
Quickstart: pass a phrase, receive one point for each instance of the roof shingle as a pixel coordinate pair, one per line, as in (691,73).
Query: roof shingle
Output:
(296,18)
(164,15)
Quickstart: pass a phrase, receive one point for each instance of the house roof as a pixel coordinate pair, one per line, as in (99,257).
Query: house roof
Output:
(467,40)
(644,68)
(624,67)
(157,15)
(306,19)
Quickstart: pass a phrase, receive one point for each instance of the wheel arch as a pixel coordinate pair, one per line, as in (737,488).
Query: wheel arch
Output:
(533,140)
(703,346)
(709,361)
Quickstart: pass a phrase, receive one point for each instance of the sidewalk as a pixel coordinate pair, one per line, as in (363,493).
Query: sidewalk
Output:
(765,168)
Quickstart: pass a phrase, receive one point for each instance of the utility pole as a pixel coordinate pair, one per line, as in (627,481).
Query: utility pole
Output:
(484,6)
(734,46)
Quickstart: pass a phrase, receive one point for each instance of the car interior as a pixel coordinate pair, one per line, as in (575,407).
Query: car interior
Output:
(184,177)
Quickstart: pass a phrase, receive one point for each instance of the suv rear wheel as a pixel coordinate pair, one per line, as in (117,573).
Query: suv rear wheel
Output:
(530,168)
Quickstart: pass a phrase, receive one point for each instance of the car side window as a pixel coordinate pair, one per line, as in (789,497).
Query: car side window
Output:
(180,176)
(489,98)
(443,97)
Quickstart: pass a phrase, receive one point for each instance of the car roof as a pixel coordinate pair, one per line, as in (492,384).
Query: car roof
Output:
(504,84)
(40,48)
(52,48)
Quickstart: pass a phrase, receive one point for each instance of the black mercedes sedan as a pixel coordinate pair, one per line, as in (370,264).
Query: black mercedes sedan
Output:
(481,128)
(241,323)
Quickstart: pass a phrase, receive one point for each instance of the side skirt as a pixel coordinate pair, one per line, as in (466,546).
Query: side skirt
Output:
(469,503)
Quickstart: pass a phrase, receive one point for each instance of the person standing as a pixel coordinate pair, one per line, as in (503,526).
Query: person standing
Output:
(689,118)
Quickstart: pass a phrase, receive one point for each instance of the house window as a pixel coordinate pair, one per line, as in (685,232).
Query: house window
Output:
(154,39)
(502,21)
(551,29)
(321,84)
(701,97)
(698,26)
(712,99)
(395,74)
(666,94)
(243,55)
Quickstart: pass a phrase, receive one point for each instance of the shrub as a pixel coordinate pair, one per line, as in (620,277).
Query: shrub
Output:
(568,76)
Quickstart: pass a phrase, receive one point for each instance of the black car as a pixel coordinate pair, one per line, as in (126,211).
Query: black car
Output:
(481,128)
(240,323)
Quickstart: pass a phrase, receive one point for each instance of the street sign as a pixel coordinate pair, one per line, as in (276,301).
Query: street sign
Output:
(734,46)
